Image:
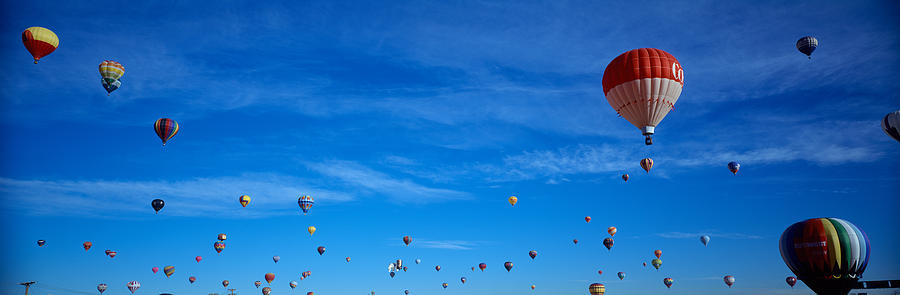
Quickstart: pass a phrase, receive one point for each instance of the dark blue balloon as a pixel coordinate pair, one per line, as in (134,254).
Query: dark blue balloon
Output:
(807,45)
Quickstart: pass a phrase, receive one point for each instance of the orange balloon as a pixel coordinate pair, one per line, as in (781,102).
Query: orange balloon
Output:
(658,253)
(611,230)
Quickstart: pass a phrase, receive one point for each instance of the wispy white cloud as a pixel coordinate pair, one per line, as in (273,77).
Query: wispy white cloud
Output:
(684,235)
(369,180)
(447,244)
(271,194)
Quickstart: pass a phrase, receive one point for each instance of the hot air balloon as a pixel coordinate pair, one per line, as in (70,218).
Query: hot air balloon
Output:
(309,293)
(729,280)
(101,288)
(222,237)
(647,163)
(513,200)
(266,290)
(611,230)
(437,268)
(575,241)
(225,283)
(154,269)
(406,240)
(192,279)
(532,287)
(87,245)
(791,281)
(587,219)
(532,253)
(169,270)
(891,125)
(110,86)
(621,275)
(608,242)
(482,266)
(112,254)
(348,259)
(276,258)
(406,292)
(157,204)
(311,230)
(599,272)
(597,289)
(828,254)
(463,280)
(321,250)
(293,284)
(807,45)
(110,72)
(508,265)
(392,274)
(398,264)
(166,129)
(305,203)
(625,177)
(41,243)
(734,167)
(704,240)
(39,42)
(270,277)
(642,85)
(133,286)
(668,282)
(656,263)
(418,260)
(658,253)
(257,284)
(644,264)
(473,268)
(198,258)
(244,200)
(219,246)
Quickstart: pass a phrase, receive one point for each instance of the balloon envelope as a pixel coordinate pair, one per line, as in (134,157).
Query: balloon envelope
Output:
(87,245)
(668,282)
(704,240)
(244,200)
(508,265)
(39,42)
(891,125)
(133,286)
(305,203)
(166,129)
(807,45)
(270,277)
(157,204)
(828,254)
(532,253)
(729,280)
(597,289)
(642,86)
(169,270)
(513,200)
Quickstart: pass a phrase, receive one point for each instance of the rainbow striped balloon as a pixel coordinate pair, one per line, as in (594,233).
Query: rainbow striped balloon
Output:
(166,129)
(169,270)
(825,253)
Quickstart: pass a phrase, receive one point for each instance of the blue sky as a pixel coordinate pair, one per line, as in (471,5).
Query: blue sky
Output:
(421,119)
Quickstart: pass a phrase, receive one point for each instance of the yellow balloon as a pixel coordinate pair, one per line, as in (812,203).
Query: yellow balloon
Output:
(311,230)
(513,200)
(244,200)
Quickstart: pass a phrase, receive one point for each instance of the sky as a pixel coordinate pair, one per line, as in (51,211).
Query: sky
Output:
(421,118)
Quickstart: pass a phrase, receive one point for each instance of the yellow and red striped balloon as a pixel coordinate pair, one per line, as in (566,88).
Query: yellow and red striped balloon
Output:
(39,41)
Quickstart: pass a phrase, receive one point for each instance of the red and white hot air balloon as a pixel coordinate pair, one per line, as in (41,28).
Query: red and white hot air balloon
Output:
(642,85)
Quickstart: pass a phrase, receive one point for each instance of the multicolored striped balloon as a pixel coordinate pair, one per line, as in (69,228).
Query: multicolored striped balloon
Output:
(166,129)
(305,203)
(668,282)
(169,270)
(111,70)
(825,253)
(39,41)
(219,246)
(597,289)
